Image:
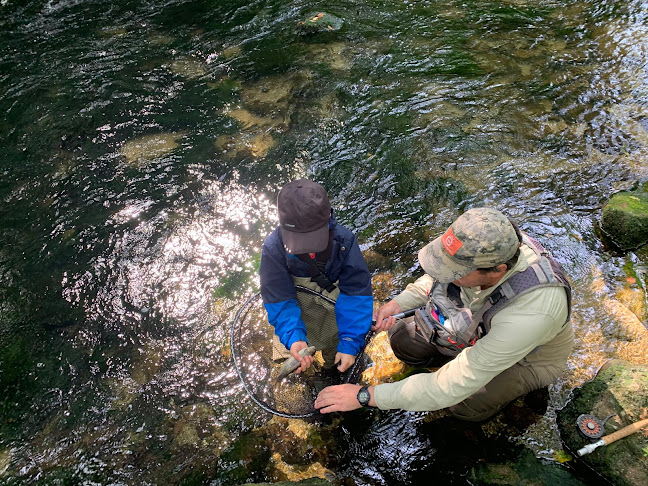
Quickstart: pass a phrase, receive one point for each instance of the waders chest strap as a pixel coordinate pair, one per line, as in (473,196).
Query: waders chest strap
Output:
(316,266)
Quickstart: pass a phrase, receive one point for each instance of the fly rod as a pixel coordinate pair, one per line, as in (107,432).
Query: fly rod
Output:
(619,434)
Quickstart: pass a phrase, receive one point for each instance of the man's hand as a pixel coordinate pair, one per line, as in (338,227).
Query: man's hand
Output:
(344,360)
(304,361)
(383,316)
(340,398)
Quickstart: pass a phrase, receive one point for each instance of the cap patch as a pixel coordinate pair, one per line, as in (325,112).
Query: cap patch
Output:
(450,242)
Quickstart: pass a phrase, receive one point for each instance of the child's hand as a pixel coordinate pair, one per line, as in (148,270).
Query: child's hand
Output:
(344,361)
(304,361)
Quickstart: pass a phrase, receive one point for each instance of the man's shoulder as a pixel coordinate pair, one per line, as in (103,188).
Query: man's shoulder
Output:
(544,303)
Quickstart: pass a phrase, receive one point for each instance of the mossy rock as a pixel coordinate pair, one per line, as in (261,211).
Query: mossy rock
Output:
(625,219)
(525,469)
(318,23)
(305,482)
(620,390)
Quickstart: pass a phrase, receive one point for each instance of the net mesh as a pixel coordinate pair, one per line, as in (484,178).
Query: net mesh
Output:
(259,356)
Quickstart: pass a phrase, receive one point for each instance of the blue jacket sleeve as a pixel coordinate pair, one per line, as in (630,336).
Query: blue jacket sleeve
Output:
(285,317)
(353,314)
(279,296)
(354,306)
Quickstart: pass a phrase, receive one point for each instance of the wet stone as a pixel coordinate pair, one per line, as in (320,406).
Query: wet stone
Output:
(318,23)
(150,147)
(625,218)
(5,459)
(189,68)
(231,52)
(619,391)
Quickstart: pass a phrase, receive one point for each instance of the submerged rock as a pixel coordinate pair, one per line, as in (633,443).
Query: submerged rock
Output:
(387,367)
(286,450)
(232,52)
(270,96)
(625,218)
(5,460)
(305,482)
(188,67)
(336,55)
(295,473)
(150,147)
(524,469)
(319,22)
(619,391)
(256,145)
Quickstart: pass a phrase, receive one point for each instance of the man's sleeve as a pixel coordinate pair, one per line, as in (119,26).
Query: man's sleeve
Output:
(415,294)
(515,332)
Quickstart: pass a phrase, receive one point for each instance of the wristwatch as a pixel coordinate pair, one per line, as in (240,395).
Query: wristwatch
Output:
(364,396)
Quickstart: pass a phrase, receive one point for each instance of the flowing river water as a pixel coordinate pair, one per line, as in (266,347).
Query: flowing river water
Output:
(143,144)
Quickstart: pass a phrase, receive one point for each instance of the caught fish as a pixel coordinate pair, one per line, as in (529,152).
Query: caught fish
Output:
(291,364)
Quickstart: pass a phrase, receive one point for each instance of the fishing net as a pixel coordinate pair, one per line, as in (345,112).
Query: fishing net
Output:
(259,355)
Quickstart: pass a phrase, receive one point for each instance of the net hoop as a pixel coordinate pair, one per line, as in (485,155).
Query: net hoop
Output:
(236,359)
(240,315)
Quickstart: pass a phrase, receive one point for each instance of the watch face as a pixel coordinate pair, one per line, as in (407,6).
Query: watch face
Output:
(363,397)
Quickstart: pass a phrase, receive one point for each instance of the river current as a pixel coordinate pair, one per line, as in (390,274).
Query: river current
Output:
(143,144)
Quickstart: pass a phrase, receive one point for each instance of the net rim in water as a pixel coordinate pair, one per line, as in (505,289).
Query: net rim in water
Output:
(237,357)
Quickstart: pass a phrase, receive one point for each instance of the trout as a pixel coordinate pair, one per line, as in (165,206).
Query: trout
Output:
(291,364)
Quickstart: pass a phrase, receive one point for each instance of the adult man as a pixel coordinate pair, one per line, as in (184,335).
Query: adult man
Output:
(509,285)
(307,262)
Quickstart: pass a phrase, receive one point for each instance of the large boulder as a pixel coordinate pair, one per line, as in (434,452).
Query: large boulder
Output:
(619,391)
(625,218)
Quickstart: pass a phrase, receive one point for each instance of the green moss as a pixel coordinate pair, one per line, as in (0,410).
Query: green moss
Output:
(625,219)
(629,202)
(620,389)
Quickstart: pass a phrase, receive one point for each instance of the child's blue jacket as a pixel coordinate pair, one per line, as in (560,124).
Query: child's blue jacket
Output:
(345,265)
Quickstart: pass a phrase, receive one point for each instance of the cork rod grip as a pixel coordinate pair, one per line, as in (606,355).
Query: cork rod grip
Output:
(625,431)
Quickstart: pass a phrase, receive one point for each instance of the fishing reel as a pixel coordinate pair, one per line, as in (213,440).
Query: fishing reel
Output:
(590,426)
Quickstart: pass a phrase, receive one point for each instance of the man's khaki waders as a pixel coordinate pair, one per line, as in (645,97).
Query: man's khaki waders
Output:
(412,348)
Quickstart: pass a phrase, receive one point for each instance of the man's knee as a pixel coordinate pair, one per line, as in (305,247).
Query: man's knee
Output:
(499,392)
(472,412)
(410,347)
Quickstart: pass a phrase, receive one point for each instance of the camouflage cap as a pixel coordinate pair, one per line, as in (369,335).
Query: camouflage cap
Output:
(479,238)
